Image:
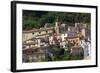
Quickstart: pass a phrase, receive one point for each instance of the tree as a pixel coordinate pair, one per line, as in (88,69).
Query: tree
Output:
(37,19)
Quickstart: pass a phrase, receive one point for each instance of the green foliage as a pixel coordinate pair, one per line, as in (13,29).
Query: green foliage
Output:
(60,54)
(37,19)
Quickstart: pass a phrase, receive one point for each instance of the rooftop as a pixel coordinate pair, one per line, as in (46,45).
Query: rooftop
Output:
(38,30)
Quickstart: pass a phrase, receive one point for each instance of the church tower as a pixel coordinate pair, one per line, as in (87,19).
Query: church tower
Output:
(57,26)
(83,31)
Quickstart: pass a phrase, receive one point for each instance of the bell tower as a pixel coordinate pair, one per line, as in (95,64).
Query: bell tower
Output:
(57,26)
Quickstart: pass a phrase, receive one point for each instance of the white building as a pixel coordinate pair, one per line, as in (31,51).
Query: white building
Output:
(86,47)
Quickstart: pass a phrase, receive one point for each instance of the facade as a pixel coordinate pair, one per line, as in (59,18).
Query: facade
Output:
(36,32)
(75,41)
(77,50)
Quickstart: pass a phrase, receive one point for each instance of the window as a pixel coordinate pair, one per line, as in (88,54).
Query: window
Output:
(33,33)
(39,32)
(46,32)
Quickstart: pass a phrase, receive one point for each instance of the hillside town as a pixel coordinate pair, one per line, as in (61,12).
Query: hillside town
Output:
(47,43)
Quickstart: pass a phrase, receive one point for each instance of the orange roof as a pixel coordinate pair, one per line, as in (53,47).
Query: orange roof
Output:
(38,30)
(72,37)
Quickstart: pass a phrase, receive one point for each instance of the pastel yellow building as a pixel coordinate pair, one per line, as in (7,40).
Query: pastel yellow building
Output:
(74,40)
